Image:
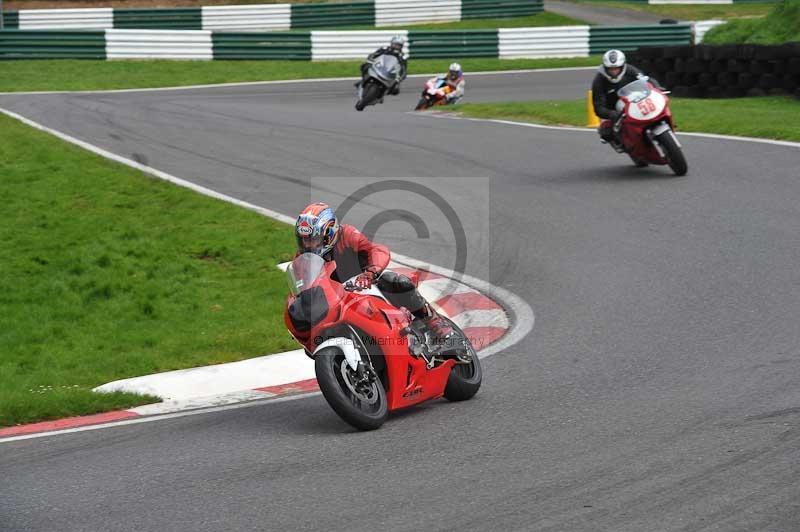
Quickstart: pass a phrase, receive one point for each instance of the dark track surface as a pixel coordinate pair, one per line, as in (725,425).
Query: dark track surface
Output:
(659,390)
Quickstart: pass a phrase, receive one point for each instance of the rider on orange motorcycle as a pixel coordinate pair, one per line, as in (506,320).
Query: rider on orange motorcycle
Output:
(455,81)
(613,74)
(318,231)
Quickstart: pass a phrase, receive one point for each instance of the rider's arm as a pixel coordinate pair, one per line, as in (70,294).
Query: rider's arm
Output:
(458,92)
(378,255)
(403,66)
(599,99)
(375,54)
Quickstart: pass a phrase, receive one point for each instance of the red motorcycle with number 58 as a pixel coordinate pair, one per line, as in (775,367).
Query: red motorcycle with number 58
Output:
(645,127)
(370,357)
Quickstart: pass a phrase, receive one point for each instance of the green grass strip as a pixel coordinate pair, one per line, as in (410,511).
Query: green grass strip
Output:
(58,75)
(692,12)
(748,117)
(106,273)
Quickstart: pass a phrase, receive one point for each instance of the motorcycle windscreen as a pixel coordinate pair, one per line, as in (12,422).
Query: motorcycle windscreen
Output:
(635,91)
(303,271)
(387,67)
(315,293)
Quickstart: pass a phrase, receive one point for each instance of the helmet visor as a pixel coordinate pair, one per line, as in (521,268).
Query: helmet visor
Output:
(614,71)
(310,244)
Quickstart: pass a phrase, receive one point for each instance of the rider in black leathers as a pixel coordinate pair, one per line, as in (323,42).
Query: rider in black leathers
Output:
(612,75)
(395,48)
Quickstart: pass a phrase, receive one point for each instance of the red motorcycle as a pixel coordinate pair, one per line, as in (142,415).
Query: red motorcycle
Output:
(645,127)
(370,357)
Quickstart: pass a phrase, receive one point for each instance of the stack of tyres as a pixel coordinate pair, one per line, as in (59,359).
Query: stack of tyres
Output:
(726,71)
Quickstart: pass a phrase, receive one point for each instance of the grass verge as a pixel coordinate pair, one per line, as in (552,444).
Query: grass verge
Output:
(748,117)
(76,75)
(106,273)
(780,26)
(692,12)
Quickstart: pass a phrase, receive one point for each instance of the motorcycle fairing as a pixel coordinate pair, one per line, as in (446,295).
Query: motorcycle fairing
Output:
(408,380)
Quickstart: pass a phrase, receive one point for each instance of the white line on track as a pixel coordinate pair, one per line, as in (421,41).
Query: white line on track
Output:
(522,314)
(159,417)
(288,81)
(446,116)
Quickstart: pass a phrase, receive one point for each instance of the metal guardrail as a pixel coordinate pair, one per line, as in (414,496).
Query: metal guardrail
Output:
(565,41)
(690,2)
(326,45)
(472,9)
(626,38)
(568,41)
(468,43)
(17,44)
(188,18)
(328,15)
(48,19)
(394,12)
(10,20)
(272,45)
(158,44)
(275,17)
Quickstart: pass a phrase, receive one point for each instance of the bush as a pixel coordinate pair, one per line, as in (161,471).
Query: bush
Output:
(780,26)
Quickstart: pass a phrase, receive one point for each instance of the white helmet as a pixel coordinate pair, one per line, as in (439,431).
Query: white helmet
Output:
(397,42)
(614,59)
(454,72)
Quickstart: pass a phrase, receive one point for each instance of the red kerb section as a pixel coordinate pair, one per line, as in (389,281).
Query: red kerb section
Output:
(309,385)
(455,304)
(421,275)
(483,336)
(67,423)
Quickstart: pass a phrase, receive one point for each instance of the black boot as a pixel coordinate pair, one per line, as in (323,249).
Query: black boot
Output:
(438,326)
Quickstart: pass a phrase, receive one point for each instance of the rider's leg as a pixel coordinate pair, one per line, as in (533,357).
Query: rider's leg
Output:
(364,69)
(606,130)
(607,133)
(401,292)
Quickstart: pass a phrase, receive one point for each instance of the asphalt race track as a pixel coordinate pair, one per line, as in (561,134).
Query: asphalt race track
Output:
(658,391)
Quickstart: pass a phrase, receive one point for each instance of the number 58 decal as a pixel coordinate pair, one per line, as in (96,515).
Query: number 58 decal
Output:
(646,106)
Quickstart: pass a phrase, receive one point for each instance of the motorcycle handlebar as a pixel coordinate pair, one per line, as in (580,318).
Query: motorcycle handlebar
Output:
(350,286)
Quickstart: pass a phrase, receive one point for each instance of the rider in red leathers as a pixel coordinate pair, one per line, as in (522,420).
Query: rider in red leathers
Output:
(318,231)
